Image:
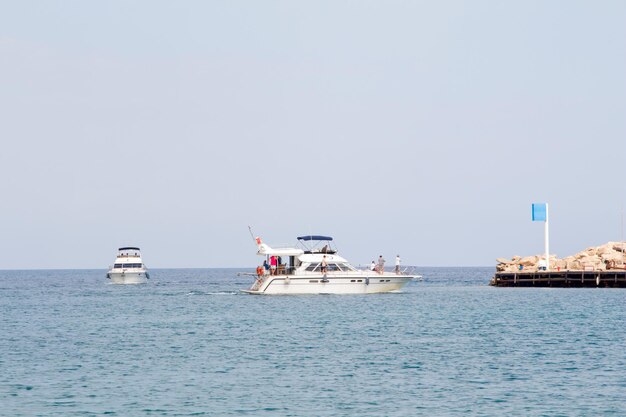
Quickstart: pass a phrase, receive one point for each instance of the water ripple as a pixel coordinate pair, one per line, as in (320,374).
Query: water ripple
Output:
(449,345)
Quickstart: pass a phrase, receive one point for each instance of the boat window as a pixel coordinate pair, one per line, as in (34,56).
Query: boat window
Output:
(131,265)
(333,267)
(312,267)
(347,267)
(117,266)
(344,267)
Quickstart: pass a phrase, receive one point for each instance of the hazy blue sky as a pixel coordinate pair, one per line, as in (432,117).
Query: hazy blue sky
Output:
(424,128)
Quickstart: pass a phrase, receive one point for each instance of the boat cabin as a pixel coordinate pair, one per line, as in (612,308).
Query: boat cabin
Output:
(129,252)
(128,257)
(306,259)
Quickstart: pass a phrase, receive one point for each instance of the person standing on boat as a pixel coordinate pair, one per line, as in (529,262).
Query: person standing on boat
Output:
(397,264)
(373,266)
(266,266)
(324,265)
(273,262)
(381,264)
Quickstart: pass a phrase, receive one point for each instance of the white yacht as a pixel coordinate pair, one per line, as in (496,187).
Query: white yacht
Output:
(317,269)
(128,267)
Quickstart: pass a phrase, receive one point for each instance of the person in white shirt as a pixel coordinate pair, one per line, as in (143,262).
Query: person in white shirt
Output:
(373,266)
(397,264)
(543,265)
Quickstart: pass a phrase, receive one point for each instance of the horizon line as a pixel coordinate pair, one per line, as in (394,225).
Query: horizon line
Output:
(223,267)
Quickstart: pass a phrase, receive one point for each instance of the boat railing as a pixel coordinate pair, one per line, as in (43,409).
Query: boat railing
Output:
(408,270)
(404,270)
(291,270)
(282,270)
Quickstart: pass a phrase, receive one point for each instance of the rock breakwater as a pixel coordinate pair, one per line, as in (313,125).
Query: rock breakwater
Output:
(596,258)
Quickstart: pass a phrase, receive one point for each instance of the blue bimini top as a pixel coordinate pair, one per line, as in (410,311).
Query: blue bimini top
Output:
(314,237)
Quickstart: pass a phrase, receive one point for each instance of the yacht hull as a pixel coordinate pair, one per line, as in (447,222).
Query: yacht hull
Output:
(128,277)
(281,285)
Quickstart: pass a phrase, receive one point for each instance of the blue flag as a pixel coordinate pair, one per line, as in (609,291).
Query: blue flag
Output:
(539,212)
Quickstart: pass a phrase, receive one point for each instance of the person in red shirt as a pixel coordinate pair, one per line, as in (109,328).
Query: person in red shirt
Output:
(273,263)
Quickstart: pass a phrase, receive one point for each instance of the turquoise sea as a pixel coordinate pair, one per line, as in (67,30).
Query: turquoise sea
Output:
(189,344)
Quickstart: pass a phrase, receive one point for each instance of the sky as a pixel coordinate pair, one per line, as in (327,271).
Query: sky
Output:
(420,128)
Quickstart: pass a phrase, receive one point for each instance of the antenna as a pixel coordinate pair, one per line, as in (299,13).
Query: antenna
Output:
(251,234)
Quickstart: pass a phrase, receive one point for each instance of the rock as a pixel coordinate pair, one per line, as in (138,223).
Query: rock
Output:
(613,256)
(568,262)
(593,258)
(559,264)
(529,261)
(574,266)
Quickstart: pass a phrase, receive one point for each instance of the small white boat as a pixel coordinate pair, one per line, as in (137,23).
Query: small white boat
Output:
(317,269)
(128,267)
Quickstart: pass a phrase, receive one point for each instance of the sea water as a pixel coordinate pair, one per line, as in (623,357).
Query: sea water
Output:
(189,344)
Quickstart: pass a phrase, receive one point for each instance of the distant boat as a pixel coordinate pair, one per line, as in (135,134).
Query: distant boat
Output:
(128,267)
(317,269)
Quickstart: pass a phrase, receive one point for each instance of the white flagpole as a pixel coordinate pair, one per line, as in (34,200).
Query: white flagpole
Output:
(547,238)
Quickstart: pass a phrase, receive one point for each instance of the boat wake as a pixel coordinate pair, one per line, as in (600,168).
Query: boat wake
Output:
(212,293)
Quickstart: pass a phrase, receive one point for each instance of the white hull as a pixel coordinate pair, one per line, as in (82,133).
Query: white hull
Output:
(336,284)
(128,277)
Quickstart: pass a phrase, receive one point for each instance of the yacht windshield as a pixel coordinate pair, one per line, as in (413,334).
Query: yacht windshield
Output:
(346,267)
(312,267)
(127,266)
(335,267)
